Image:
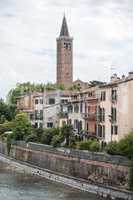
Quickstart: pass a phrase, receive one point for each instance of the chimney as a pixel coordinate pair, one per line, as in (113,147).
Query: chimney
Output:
(130,75)
(123,77)
(114,78)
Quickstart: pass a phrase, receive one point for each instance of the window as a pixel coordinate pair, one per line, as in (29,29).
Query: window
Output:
(51,101)
(49,124)
(81,107)
(103,96)
(70,108)
(90,94)
(41,114)
(80,126)
(101,114)
(41,125)
(87,126)
(31,117)
(36,125)
(41,101)
(76,108)
(114,114)
(114,95)
(67,45)
(36,101)
(114,130)
(36,114)
(101,131)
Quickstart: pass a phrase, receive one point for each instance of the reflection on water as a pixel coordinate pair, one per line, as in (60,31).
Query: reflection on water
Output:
(20,186)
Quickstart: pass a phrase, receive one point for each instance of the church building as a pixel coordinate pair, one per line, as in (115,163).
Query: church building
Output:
(64,56)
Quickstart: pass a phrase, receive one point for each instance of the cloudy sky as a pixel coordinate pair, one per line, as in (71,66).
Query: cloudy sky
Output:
(102,31)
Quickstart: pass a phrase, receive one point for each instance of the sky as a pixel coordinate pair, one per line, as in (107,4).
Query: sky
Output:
(102,32)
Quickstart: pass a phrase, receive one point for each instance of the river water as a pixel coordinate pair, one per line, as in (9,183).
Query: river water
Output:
(19,186)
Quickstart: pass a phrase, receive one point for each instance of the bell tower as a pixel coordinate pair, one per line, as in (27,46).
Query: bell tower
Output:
(64,56)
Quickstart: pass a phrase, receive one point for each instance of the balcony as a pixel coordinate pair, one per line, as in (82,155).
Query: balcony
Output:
(63,115)
(90,116)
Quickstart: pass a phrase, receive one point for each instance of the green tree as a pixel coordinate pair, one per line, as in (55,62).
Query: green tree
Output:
(125,146)
(7,112)
(48,134)
(60,87)
(95,146)
(112,148)
(66,132)
(39,132)
(21,127)
(57,140)
(95,82)
(31,138)
(22,89)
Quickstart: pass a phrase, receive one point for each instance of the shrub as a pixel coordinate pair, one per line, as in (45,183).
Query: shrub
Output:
(125,146)
(95,146)
(112,148)
(32,138)
(46,138)
(38,132)
(57,140)
(48,134)
(84,145)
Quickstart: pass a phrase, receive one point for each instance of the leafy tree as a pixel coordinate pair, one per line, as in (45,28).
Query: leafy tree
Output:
(7,112)
(38,132)
(21,127)
(48,134)
(95,146)
(57,140)
(112,148)
(125,146)
(60,87)
(95,82)
(66,132)
(22,89)
(50,86)
(75,88)
(32,138)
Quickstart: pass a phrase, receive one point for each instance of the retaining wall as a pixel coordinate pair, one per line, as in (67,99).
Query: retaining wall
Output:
(95,168)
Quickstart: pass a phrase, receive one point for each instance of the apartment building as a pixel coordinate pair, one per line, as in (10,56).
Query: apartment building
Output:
(82,112)
(32,105)
(55,108)
(104,111)
(115,108)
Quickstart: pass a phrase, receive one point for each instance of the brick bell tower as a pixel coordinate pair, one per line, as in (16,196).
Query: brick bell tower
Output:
(64,56)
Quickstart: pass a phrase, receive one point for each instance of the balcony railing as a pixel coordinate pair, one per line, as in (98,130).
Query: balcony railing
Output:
(63,115)
(90,116)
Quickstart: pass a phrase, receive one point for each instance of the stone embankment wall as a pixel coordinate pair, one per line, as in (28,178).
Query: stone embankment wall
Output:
(96,168)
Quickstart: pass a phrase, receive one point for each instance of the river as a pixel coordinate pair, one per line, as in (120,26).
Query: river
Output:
(19,186)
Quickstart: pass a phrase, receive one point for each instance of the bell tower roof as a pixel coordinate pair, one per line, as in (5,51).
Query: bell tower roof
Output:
(64,28)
